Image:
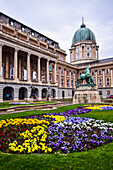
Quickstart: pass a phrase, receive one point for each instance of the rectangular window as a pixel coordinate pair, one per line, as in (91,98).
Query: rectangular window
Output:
(57,69)
(12,72)
(100,82)
(62,71)
(72,83)
(108,93)
(107,71)
(99,72)
(62,58)
(68,83)
(50,79)
(72,73)
(62,81)
(107,81)
(67,73)
(100,93)
(92,73)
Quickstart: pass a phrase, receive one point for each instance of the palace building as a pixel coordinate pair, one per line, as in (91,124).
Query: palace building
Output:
(31,64)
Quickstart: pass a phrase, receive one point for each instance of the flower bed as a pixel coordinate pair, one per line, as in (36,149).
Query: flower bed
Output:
(99,107)
(54,133)
(22,103)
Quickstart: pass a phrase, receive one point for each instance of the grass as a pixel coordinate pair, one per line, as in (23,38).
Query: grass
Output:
(96,159)
(6,104)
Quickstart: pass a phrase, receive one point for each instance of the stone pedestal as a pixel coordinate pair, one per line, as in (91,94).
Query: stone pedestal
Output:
(86,94)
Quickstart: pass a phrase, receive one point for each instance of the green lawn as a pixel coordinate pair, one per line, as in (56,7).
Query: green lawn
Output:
(97,159)
(6,104)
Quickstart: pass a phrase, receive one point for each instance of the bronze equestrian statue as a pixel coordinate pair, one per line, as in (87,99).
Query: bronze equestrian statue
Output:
(87,77)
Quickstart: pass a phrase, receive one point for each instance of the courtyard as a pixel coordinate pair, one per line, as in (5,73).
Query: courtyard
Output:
(69,137)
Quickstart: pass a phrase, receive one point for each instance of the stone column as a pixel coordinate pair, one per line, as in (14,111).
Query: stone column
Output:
(28,67)
(16,92)
(38,69)
(7,67)
(1,92)
(103,77)
(70,78)
(92,52)
(59,76)
(40,94)
(48,70)
(65,77)
(74,79)
(97,54)
(1,61)
(20,71)
(111,70)
(55,73)
(96,78)
(15,64)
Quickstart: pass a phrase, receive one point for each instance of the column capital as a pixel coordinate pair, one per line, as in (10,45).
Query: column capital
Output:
(17,49)
(1,44)
(48,59)
(28,53)
(55,62)
(39,57)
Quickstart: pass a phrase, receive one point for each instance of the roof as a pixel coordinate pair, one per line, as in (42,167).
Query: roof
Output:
(83,33)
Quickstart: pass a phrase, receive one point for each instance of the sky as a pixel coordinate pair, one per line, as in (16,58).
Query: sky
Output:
(60,19)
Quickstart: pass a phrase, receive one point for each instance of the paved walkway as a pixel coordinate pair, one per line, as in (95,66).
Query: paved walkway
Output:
(17,109)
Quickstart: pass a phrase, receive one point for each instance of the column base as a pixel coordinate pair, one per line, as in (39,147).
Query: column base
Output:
(16,99)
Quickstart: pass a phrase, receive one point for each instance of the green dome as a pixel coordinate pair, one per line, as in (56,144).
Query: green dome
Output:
(83,33)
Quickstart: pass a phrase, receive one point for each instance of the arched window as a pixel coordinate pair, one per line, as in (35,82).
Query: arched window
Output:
(24,74)
(12,72)
(34,76)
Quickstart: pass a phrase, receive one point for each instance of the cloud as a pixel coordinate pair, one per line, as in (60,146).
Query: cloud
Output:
(60,19)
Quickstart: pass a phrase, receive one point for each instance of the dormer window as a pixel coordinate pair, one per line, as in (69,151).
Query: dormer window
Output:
(23,29)
(11,23)
(33,34)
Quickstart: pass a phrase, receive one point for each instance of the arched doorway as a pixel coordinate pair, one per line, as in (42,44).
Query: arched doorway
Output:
(53,93)
(22,93)
(44,93)
(34,93)
(8,93)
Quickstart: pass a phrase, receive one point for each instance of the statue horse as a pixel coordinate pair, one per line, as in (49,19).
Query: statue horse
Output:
(87,77)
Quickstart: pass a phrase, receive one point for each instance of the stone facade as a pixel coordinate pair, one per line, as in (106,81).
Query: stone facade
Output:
(32,64)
